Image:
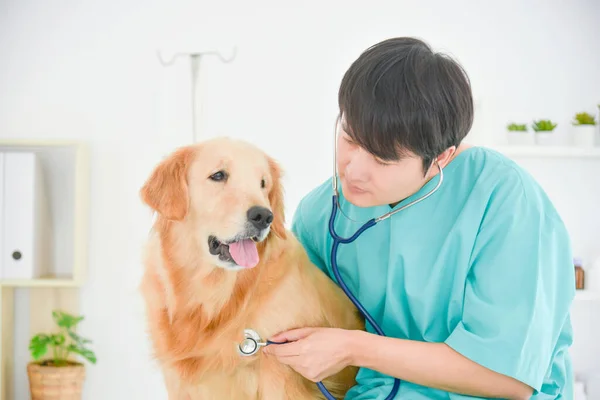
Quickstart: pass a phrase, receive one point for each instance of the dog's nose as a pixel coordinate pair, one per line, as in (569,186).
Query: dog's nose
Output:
(260,217)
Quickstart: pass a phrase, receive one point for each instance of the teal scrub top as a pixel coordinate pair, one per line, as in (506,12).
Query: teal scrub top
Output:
(483,265)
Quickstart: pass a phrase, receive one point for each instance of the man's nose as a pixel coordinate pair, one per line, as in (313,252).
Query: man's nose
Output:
(356,169)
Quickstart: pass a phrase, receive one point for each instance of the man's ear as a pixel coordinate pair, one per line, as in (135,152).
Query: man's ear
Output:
(276,200)
(444,158)
(166,191)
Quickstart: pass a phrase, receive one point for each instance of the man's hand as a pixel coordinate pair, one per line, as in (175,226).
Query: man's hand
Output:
(315,353)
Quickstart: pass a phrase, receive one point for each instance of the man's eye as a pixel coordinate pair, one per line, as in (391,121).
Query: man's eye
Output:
(218,176)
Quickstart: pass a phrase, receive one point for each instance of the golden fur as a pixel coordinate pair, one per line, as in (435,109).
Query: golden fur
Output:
(197,311)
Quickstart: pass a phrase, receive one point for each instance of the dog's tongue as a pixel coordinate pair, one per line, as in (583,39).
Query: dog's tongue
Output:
(244,253)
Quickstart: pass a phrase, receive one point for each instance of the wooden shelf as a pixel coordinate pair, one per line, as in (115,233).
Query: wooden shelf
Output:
(65,171)
(65,166)
(549,151)
(41,282)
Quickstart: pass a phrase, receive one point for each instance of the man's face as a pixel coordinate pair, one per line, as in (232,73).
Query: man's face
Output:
(367,181)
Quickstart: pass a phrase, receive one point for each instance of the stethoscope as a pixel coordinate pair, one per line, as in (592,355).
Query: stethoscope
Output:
(252,341)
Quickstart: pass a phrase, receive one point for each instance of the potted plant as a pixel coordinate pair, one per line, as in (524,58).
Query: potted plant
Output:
(543,129)
(55,374)
(584,130)
(518,135)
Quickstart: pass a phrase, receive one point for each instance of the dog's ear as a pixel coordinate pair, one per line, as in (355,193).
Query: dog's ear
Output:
(166,191)
(276,200)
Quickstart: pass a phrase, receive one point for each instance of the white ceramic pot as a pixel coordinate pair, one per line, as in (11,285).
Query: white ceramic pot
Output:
(519,138)
(545,138)
(584,135)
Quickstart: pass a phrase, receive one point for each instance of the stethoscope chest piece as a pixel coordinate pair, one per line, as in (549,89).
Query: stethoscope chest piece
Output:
(251,343)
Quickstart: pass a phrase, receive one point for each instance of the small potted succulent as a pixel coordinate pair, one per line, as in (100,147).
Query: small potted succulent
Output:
(519,135)
(544,129)
(584,130)
(55,375)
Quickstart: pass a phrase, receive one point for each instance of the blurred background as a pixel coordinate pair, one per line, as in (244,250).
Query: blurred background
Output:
(85,78)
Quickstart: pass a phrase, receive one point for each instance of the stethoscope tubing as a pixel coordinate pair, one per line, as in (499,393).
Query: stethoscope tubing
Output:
(337,240)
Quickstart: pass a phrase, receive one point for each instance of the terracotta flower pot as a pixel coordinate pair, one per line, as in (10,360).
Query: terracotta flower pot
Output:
(49,382)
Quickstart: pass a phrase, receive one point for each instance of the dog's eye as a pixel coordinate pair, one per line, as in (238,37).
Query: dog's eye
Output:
(218,176)
(263,183)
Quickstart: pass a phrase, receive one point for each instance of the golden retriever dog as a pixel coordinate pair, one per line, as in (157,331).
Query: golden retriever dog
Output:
(219,260)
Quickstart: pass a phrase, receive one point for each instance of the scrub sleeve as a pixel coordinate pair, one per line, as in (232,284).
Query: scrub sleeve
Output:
(306,239)
(515,305)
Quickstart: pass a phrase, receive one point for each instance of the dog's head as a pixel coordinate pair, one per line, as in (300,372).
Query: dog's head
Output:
(228,195)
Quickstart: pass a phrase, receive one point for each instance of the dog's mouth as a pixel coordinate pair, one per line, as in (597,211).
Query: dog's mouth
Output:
(242,251)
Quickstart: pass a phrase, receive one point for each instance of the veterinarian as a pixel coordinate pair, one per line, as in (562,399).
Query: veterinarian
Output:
(472,285)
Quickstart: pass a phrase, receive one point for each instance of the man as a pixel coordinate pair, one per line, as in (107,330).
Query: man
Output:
(473,285)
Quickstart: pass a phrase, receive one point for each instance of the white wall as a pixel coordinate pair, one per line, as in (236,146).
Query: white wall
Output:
(88,70)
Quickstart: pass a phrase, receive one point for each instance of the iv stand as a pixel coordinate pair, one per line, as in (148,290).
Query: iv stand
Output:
(195,59)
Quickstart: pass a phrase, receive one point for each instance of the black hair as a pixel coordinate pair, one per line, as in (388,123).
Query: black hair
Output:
(399,95)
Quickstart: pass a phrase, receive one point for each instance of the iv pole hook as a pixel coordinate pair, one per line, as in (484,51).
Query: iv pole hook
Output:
(195,58)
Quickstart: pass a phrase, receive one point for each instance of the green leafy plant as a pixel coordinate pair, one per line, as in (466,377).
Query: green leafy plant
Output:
(63,343)
(517,127)
(543,125)
(584,118)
